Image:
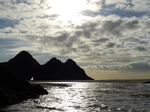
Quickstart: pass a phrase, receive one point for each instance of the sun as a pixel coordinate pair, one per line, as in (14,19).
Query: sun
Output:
(68,10)
(65,7)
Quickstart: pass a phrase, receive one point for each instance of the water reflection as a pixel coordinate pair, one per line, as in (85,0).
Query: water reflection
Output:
(78,97)
(88,97)
(70,99)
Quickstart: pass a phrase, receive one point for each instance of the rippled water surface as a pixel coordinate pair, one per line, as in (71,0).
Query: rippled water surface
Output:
(88,97)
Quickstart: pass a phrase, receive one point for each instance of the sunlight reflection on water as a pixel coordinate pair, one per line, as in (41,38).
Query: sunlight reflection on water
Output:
(89,97)
(69,99)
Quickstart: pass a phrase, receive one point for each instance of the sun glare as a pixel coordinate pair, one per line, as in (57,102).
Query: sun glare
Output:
(68,10)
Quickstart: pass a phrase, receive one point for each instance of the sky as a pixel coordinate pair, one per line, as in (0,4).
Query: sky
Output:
(109,39)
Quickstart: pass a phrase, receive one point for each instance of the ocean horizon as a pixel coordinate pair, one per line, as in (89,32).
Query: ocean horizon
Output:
(104,80)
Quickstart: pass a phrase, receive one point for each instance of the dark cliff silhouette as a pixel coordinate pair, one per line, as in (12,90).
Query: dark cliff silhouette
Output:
(52,70)
(24,66)
(14,90)
(56,70)
(76,72)
(14,73)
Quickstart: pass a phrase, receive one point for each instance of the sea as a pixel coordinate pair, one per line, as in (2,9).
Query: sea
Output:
(88,96)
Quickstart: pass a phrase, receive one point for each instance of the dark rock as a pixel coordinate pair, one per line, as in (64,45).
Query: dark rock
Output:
(23,65)
(56,70)
(146,82)
(39,89)
(52,70)
(74,72)
(14,90)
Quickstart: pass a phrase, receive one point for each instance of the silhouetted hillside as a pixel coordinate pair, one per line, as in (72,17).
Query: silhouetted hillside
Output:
(13,87)
(74,72)
(24,66)
(52,70)
(56,70)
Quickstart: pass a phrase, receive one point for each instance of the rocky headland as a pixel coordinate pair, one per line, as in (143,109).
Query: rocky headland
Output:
(14,90)
(15,74)
(54,69)
(25,67)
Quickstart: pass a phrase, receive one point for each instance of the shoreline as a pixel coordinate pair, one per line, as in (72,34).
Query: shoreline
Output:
(109,81)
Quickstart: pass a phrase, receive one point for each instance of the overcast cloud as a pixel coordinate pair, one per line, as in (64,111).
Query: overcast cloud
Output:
(109,35)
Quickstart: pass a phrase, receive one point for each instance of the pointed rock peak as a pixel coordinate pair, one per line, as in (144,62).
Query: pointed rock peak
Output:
(70,61)
(54,60)
(24,54)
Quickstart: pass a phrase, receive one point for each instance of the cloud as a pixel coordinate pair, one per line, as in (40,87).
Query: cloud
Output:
(94,5)
(123,8)
(133,67)
(140,49)
(103,26)
(93,32)
(129,5)
(112,26)
(130,39)
(110,45)
(102,40)
(112,34)
(86,29)
(22,9)
(139,67)
(88,40)
(132,24)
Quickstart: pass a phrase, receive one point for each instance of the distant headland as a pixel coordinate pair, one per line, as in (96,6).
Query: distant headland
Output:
(25,67)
